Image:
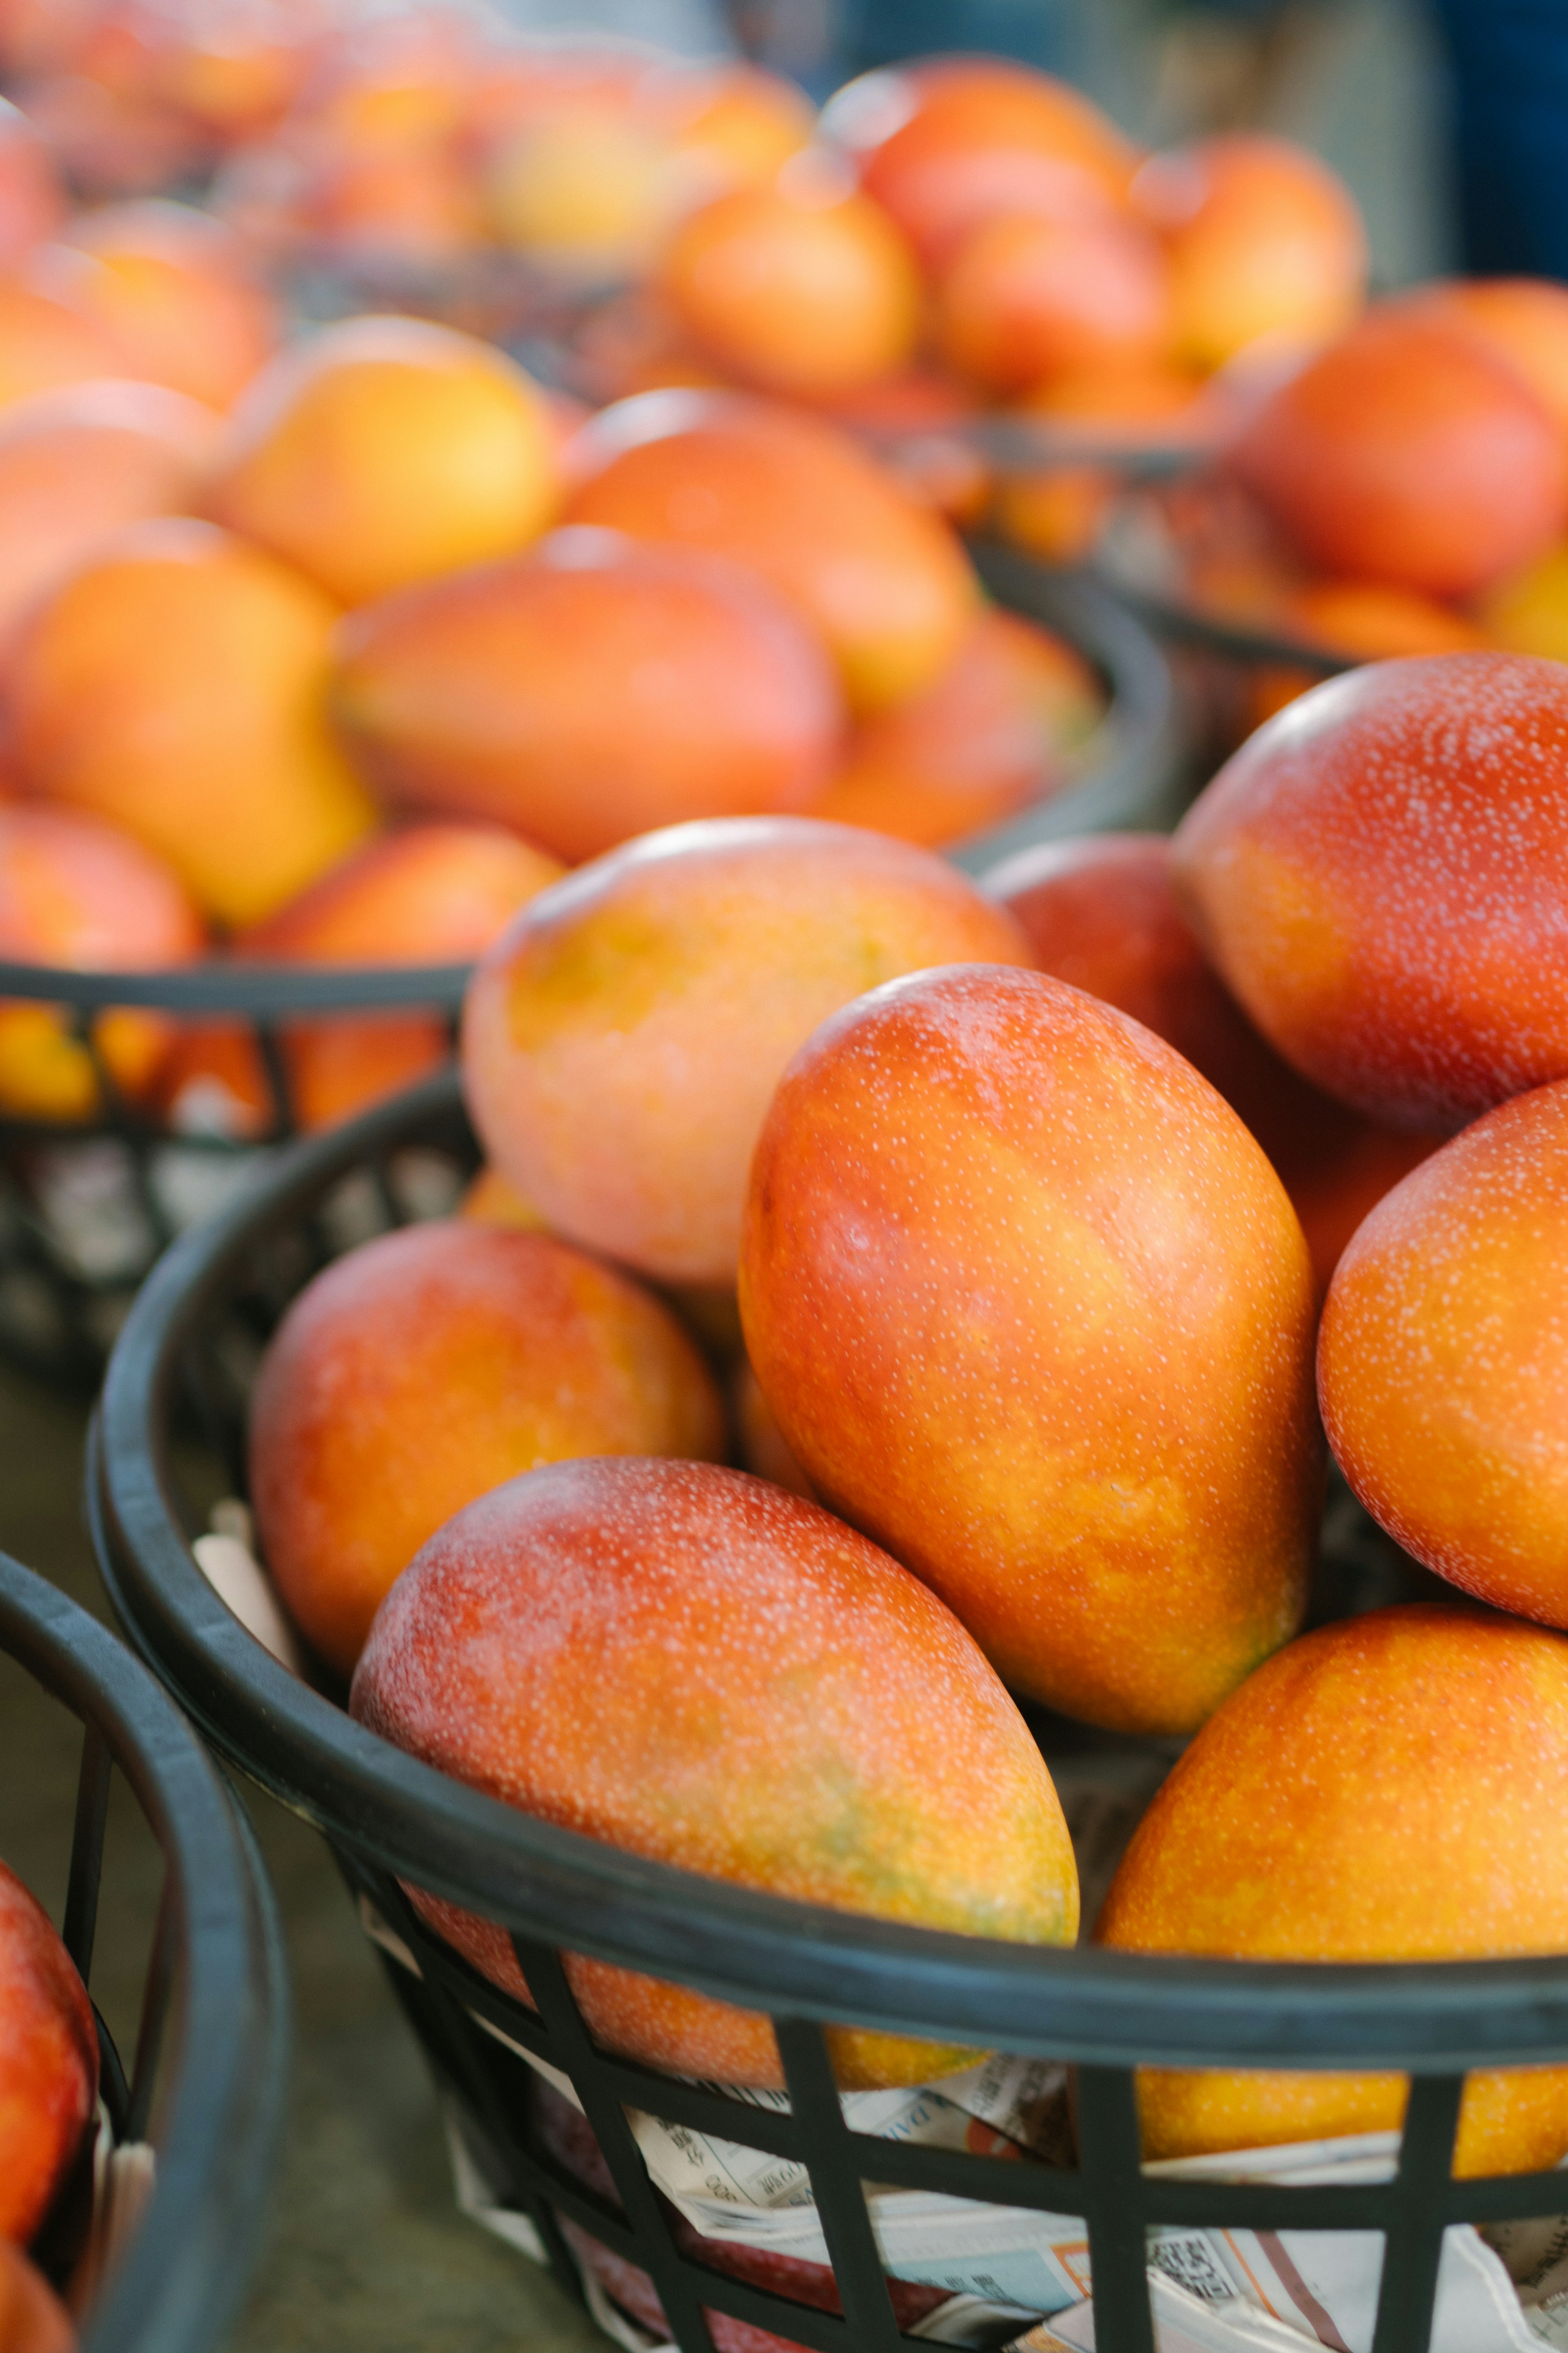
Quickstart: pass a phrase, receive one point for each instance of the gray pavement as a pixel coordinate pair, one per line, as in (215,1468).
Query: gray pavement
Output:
(365,2246)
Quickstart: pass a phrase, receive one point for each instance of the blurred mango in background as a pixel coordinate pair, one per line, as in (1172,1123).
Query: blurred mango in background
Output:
(279,594)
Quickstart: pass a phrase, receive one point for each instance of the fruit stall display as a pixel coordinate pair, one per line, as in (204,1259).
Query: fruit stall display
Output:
(472,505)
(302,703)
(798,347)
(131,2199)
(1004,1866)
(965,257)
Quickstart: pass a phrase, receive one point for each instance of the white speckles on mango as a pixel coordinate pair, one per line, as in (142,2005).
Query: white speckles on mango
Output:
(1380,874)
(696,1665)
(1443,1358)
(1032,1308)
(1389,1788)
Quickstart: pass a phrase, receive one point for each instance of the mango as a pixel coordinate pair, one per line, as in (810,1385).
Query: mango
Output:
(431,894)
(379,452)
(804,289)
(1261,242)
(48,2060)
(1408,453)
(1032,1309)
(882,580)
(792,1711)
(589,691)
(1101,910)
(428,1366)
(1389,1788)
(81,894)
(175,683)
(623,1037)
(1443,1346)
(1379,874)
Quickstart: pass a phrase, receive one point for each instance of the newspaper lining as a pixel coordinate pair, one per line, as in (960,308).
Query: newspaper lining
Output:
(124,2176)
(1502,2289)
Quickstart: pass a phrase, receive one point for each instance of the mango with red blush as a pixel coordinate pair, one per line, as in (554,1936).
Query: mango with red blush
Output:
(623,1037)
(1388,1789)
(1523,320)
(947,143)
(1032,1308)
(48,2060)
(1408,453)
(1022,300)
(430,1365)
(173,287)
(1443,1346)
(804,289)
(793,1711)
(1381,875)
(32,2318)
(1262,240)
(78,463)
(1101,911)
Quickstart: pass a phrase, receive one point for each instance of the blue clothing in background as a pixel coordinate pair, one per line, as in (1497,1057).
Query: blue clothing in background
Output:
(1508,96)
(880,32)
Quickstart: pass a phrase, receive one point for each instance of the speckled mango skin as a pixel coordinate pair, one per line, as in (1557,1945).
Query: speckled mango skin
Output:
(1390,1788)
(622,1038)
(1033,1310)
(692,1664)
(1380,874)
(1443,1359)
(430,1364)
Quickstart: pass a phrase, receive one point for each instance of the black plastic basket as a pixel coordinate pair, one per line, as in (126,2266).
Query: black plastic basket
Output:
(390,1817)
(61,1301)
(1220,663)
(207,2078)
(1134,770)
(64,1290)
